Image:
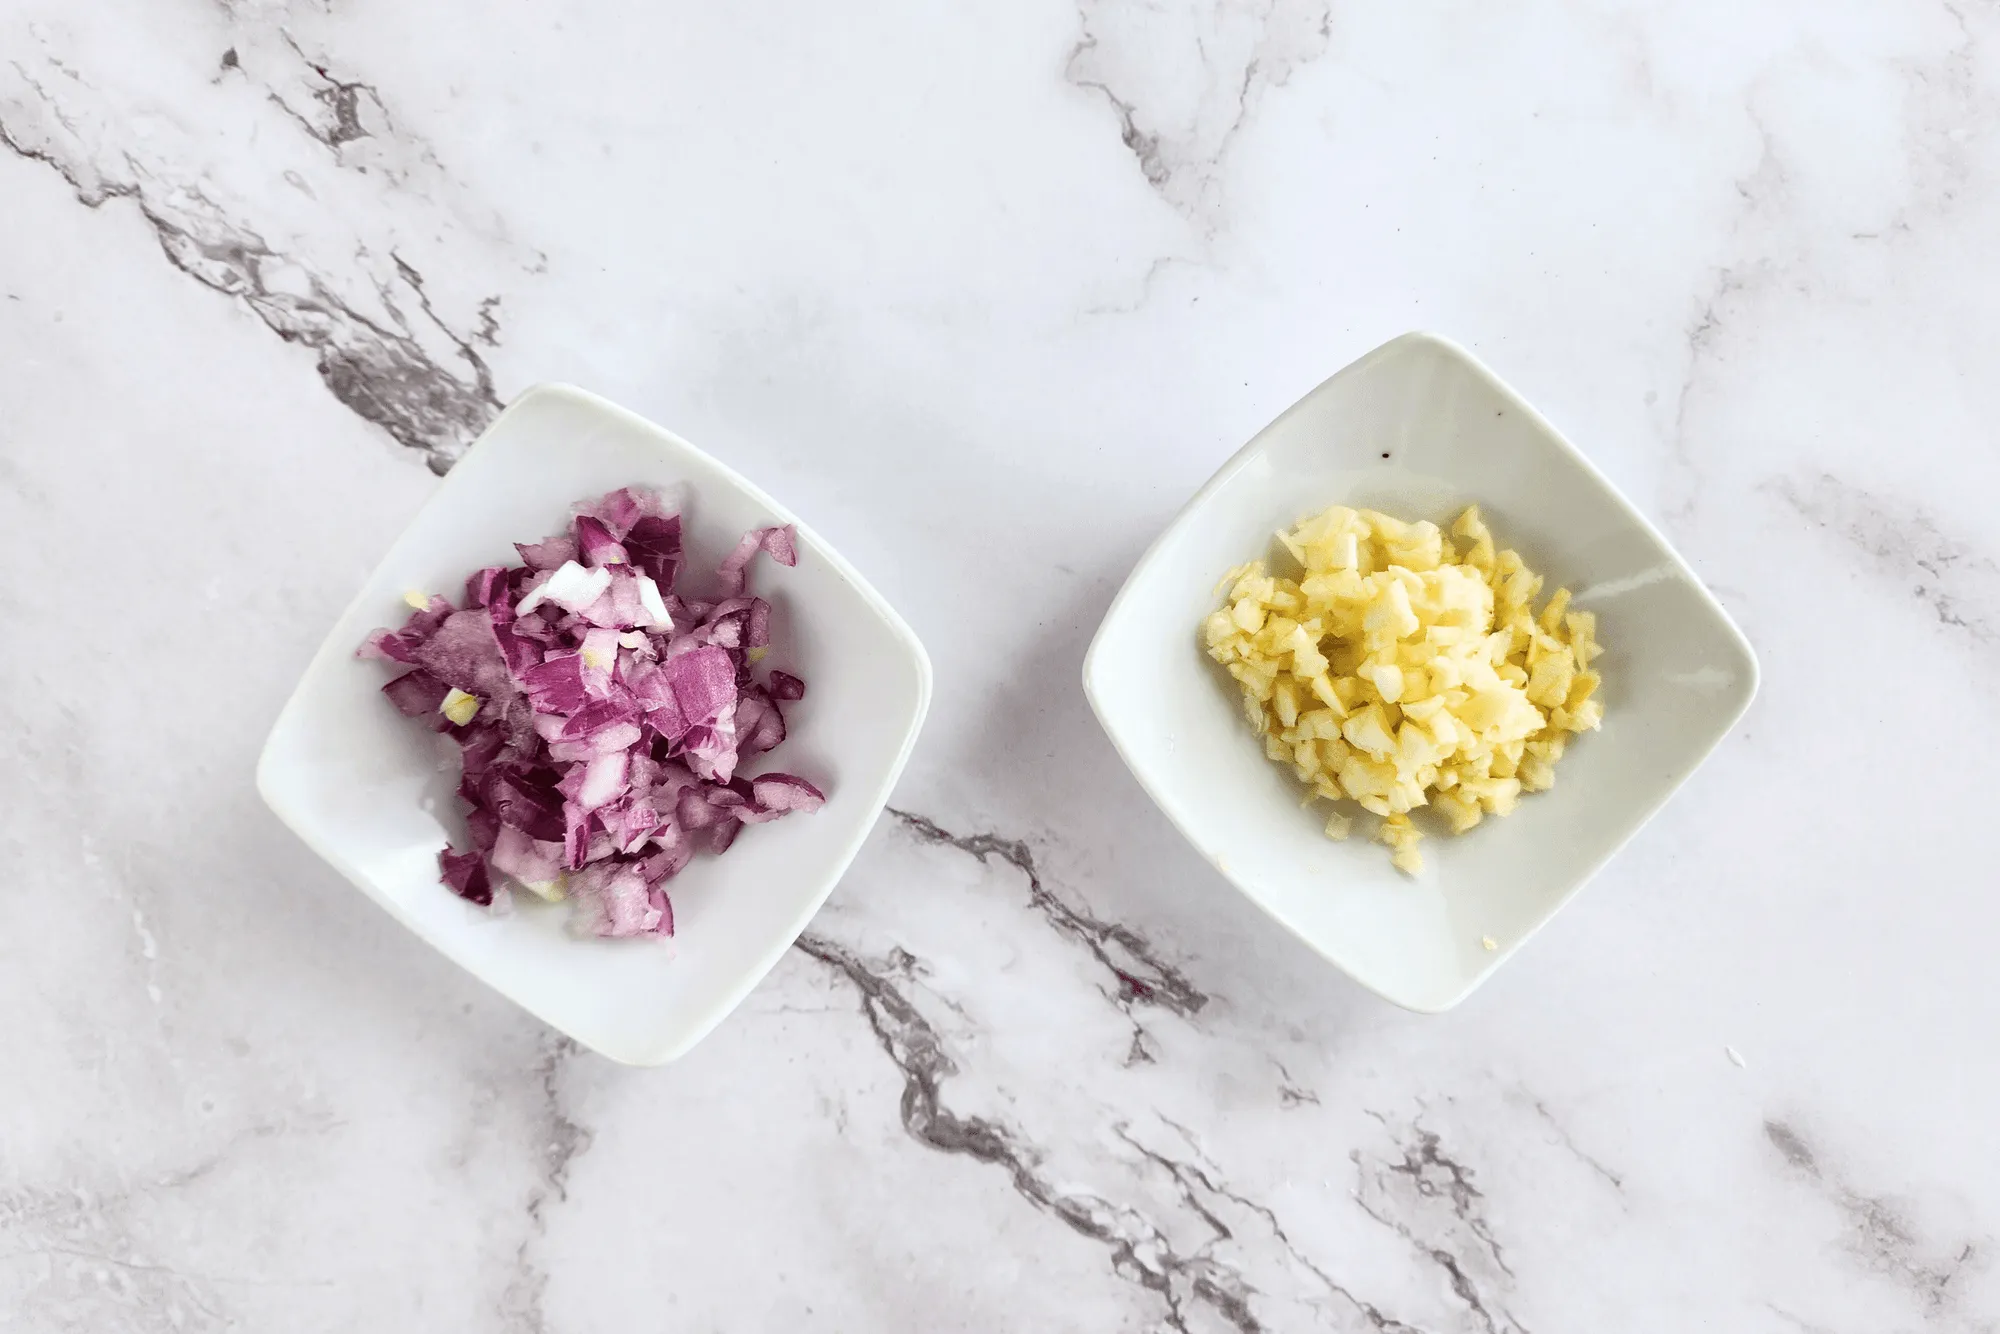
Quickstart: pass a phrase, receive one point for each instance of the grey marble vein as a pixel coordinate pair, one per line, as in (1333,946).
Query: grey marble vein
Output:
(69,1251)
(1946,99)
(341,103)
(1198,1177)
(1429,1199)
(405,369)
(1563,1137)
(1880,1235)
(1290,1093)
(559,1140)
(1796,1321)
(1728,292)
(1956,579)
(1141,1253)
(75,1253)
(1142,976)
(1704,333)
(1180,131)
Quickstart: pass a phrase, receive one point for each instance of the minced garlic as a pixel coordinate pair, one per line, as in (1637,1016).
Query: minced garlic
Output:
(1399,672)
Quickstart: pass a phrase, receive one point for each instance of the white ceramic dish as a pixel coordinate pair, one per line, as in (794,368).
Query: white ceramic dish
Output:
(1419,429)
(372,793)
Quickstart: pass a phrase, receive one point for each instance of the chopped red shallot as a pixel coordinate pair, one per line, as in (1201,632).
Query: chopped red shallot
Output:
(601,716)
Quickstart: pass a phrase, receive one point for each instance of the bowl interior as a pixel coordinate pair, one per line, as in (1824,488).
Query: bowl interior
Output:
(1417,429)
(372,792)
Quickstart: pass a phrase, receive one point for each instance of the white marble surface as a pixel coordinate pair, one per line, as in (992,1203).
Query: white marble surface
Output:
(984,291)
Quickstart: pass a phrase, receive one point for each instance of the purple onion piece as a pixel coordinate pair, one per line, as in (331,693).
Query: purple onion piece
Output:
(552,554)
(654,545)
(466,876)
(786,792)
(760,726)
(780,543)
(619,510)
(528,860)
(416,694)
(596,545)
(555,684)
(465,654)
(487,586)
(614,711)
(720,836)
(526,800)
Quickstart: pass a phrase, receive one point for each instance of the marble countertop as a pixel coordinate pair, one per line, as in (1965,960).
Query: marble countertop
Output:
(984,291)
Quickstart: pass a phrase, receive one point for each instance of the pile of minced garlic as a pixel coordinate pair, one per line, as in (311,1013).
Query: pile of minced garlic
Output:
(1401,671)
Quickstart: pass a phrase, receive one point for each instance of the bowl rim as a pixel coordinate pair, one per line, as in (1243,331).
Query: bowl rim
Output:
(329,650)
(1403,344)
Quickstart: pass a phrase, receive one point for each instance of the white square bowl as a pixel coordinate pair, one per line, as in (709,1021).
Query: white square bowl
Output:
(1419,429)
(373,793)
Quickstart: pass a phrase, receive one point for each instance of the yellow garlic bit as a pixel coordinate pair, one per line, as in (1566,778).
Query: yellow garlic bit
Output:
(1406,668)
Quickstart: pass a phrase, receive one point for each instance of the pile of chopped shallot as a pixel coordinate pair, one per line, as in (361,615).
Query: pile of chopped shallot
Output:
(600,716)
